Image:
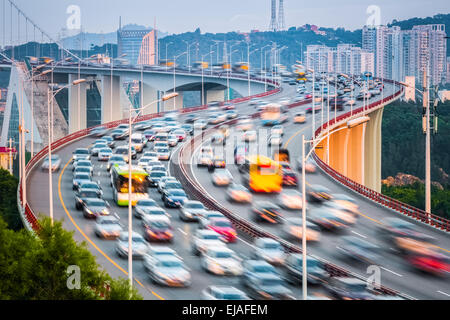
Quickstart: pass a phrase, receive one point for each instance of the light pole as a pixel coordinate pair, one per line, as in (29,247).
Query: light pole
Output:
(174,76)
(130,181)
(203,79)
(228,75)
(167,60)
(248,65)
(51,95)
(314,142)
(112,69)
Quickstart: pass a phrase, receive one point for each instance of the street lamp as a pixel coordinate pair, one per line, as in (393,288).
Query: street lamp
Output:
(112,69)
(174,75)
(130,180)
(350,124)
(50,125)
(228,75)
(167,60)
(203,79)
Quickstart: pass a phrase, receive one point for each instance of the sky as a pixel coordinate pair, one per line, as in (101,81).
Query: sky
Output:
(177,16)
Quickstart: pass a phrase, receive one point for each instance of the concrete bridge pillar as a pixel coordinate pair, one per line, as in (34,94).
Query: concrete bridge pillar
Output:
(215,95)
(77,105)
(373,151)
(111,106)
(355,154)
(148,95)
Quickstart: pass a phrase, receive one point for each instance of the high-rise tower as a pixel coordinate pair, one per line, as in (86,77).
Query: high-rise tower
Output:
(281,21)
(273,20)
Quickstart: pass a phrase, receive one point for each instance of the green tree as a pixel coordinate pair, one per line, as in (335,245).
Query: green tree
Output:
(36,267)
(8,200)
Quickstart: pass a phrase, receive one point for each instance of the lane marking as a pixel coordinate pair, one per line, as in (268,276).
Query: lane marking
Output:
(181,230)
(445,294)
(386,269)
(358,234)
(88,238)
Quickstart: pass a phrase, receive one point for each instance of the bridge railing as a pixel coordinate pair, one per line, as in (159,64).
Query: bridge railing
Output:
(27,214)
(395,205)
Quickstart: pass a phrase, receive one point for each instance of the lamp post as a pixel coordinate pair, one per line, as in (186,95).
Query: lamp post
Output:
(112,70)
(174,76)
(314,142)
(203,79)
(248,65)
(51,95)
(167,60)
(130,181)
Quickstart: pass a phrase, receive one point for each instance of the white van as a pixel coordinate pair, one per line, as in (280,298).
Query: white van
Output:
(138,141)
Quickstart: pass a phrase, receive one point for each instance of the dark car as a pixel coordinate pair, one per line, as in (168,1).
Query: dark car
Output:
(268,286)
(294,266)
(349,289)
(317,193)
(94,207)
(290,179)
(84,194)
(169,185)
(267,211)
(158,230)
(360,250)
(338,104)
(142,205)
(253,268)
(173,198)
(119,134)
(155,176)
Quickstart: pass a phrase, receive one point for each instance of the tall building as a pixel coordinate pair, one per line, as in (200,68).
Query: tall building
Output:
(132,39)
(399,53)
(148,54)
(273,16)
(281,19)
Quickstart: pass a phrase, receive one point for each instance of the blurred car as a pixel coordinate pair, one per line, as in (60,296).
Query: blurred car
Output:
(223,227)
(223,293)
(300,117)
(143,161)
(290,179)
(218,162)
(56,163)
(180,134)
(205,238)
(205,217)
(430,262)
(154,214)
(81,154)
(173,140)
(190,118)
(244,125)
(294,270)
(139,246)
(119,134)
(348,215)
(327,219)
(79,179)
(155,176)
(275,140)
(294,229)
(190,210)
(115,159)
(277,130)
(204,160)
(228,106)
(83,194)
(239,193)
(348,289)
(83,163)
(163,154)
(158,230)
(255,267)
(96,148)
(123,151)
(98,131)
(231,114)
(269,250)
(266,211)
(355,248)
(169,271)
(108,227)
(310,166)
(346,201)
(290,199)
(200,124)
(155,252)
(104,154)
(95,207)
(240,152)
(218,138)
(188,128)
(250,136)
(174,198)
(222,177)
(221,260)
(89,185)
(268,286)
(166,184)
(318,193)
(142,205)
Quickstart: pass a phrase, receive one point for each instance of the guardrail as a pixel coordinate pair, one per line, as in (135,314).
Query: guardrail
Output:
(393,204)
(29,217)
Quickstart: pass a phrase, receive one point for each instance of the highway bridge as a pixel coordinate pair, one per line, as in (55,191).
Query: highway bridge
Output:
(397,277)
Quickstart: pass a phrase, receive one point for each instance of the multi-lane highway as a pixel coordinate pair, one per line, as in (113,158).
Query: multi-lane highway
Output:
(395,273)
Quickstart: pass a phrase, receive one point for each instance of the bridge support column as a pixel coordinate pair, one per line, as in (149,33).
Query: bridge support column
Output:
(355,154)
(373,151)
(77,105)
(215,95)
(338,150)
(111,106)
(149,95)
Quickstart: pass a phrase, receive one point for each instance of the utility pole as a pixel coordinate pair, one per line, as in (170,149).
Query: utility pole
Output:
(426,120)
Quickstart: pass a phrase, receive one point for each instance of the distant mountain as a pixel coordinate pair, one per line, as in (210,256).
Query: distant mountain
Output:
(99,39)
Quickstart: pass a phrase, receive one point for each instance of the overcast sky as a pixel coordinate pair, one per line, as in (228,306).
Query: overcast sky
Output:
(176,16)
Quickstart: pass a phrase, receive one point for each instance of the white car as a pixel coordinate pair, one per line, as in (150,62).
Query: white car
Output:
(154,214)
(222,177)
(163,154)
(96,148)
(278,130)
(105,154)
(143,161)
(290,199)
(108,227)
(250,136)
(269,250)
(275,140)
(204,239)
(245,125)
(223,293)
(221,260)
(200,124)
(154,252)
(173,140)
(139,246)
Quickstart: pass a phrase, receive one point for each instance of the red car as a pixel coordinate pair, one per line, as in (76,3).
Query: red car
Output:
(228,106)
(308,96)
(158,230)
(180,134)
(433,263)
(223,227)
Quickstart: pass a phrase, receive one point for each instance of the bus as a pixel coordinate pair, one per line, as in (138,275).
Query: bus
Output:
(262,174)
(272,115)
(119,183)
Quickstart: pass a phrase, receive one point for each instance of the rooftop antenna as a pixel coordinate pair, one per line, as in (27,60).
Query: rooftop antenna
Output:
(273,21)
